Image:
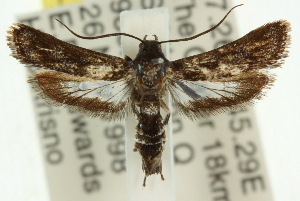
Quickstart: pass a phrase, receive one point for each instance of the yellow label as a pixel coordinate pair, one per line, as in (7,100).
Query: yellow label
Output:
(53,3)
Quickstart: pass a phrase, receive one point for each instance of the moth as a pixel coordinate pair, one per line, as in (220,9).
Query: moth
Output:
(100,85)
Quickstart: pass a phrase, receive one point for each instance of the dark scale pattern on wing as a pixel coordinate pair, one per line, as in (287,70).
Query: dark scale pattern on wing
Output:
(264,47)
(35,48)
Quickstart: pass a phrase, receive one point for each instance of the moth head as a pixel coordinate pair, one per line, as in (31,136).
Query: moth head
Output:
(150,45)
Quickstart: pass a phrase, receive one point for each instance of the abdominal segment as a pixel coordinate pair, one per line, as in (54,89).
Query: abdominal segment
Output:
(150,138)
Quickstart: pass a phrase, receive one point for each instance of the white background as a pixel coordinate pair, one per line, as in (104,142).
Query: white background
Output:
(21,171)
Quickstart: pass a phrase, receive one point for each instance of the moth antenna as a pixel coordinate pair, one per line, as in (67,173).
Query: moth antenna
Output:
(102,36)
(205,32)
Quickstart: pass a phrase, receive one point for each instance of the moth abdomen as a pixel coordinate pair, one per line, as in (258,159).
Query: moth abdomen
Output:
(150,138)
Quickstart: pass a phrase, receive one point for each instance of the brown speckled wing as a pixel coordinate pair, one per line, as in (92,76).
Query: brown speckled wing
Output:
(262,48)
(83,80)
(229,77)
(38,49)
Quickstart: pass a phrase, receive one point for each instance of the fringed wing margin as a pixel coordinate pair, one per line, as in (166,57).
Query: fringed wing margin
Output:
(104,99)
(232,76)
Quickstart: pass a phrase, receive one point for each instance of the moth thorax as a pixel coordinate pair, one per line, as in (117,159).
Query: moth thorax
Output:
(151,74)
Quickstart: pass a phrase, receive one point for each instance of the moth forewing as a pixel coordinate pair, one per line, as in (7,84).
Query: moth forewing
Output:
(35,48)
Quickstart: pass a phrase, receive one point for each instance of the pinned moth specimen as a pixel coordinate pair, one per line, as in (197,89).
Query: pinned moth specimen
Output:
(100,85)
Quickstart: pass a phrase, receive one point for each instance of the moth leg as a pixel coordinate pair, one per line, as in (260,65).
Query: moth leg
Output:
(135,111)
(162,176)
(145,178)
(144,182)
(165,107)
